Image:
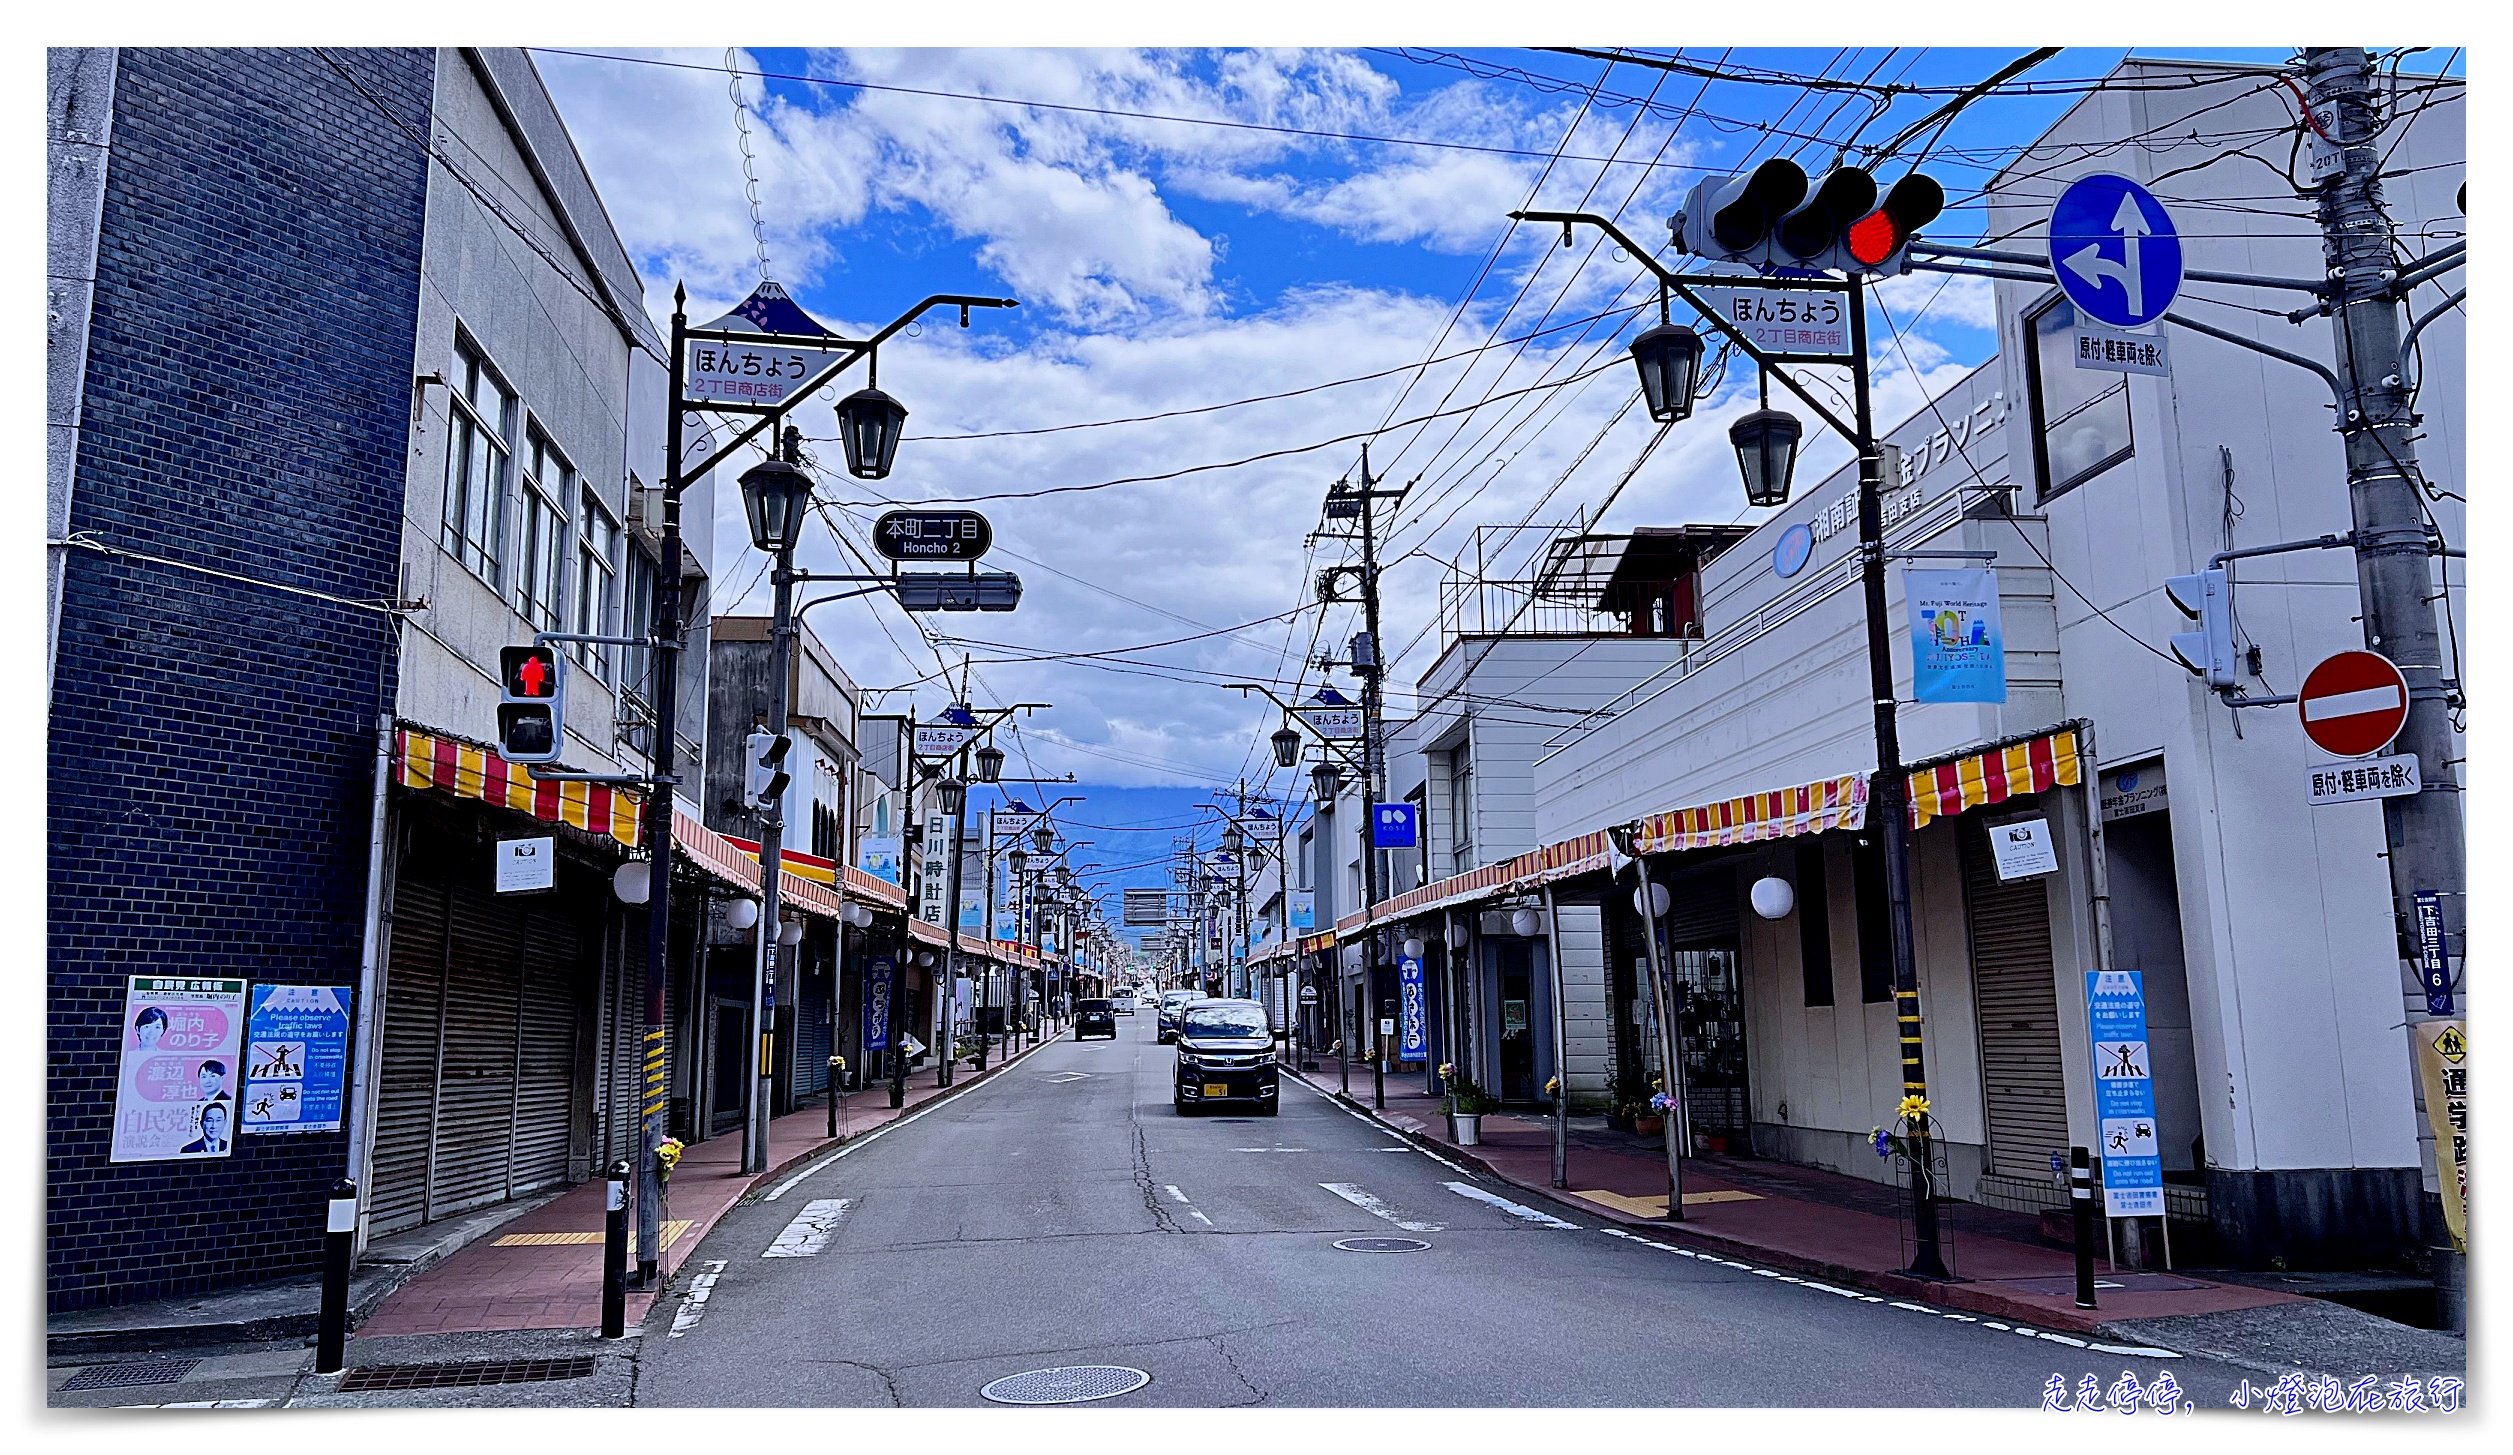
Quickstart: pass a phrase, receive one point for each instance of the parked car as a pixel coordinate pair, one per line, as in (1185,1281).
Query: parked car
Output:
(1093,1018)
(1225,1054)
(1173,1001)
(1122,1002)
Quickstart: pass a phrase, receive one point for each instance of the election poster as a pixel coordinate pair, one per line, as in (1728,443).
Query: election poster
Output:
(182,1042)
(296,1059)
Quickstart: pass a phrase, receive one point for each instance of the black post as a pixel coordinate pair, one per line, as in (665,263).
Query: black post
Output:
(615,1256)
(2081,1204)
(340,1241)
(665,656)
(833,1093)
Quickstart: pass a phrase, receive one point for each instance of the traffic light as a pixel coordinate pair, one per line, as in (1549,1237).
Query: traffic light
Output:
(531,703)
(1874,243)
(767,777)
(1731,218)
(1815,228)
(1771,218)
(944,591)
(2207,598)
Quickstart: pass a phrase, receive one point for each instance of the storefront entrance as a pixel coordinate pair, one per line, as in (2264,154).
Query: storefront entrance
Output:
(1518,1021)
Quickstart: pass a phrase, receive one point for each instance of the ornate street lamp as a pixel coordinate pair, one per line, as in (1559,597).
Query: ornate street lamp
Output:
(869,422)
(1670,360)
(1044,837)
(990,764)
(1018,859)
(1232,840)
(1766,451)
(775,495)
(1286,746)
(955,796)
(1328,780)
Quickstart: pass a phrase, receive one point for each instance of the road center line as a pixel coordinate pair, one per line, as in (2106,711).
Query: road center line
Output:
(1517,1210)
(1370,1204)
(811,1229)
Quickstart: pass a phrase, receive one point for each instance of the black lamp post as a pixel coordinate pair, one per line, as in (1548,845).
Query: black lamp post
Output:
(869,423)
(1286,746)
(1766,451)
(1044,837)
(955,796)
(1327,780)
(1669,358)
(990,764)
(776,495)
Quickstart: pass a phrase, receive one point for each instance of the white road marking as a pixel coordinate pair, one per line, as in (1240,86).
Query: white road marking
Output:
(2140,1351)
(204,1404)
(849,1150)
(1376,1126)
(1373,1206)
(1065,1076)
(1269,1149)
(1172,1189)
(694,1303)
(1199,1217)
(811,1229)
(1514,1209)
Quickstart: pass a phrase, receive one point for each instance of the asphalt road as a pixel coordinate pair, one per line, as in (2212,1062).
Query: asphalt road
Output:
(1064,1215)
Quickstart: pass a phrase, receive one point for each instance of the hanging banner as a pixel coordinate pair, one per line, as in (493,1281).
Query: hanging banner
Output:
(879,973)
(1958,652)
(1304,911)
(296,1058)
(2124,1094)
(880,859)
(1413,1027)
(2443,1073)
(175,1097)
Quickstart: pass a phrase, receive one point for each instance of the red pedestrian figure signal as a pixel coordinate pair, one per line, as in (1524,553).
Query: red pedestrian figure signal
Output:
(531,672)
(530,709)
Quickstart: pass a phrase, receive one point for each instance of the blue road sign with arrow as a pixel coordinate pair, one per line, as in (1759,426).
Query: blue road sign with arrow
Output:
(2115,251)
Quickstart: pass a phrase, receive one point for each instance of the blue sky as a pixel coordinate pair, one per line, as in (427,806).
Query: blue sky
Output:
(1165,266)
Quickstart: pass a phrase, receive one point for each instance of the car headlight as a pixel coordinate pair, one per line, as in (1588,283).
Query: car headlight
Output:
(1188,1059)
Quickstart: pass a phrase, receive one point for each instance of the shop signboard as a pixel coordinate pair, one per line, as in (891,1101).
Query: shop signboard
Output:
(296,1059)
(1413,1031)
(1304,911)
(2124,1094)
(1958,651)
(175,1094)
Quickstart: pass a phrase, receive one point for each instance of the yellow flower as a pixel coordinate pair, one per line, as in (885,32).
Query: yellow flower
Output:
(1912,1108)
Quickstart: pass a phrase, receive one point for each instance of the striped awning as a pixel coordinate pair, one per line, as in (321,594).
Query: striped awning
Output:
(432,760)
(1812,808)
(698,844)
(1569,858)
(1993,775)
(794,861)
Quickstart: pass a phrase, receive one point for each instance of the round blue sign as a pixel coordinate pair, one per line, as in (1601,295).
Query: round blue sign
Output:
(2114,250)
(1789,557)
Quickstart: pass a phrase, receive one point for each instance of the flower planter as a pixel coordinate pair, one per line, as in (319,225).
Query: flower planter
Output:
(1647,1126)
(1466,1128)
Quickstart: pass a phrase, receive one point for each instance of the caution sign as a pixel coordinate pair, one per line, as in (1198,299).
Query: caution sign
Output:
(2443,1073)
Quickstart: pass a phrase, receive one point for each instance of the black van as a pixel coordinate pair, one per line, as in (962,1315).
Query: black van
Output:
(1225,1054)
(1093,1018)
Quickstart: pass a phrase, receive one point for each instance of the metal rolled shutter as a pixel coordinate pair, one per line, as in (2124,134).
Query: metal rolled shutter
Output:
(545,1078)
(624,1029)
(476,1101)
(2018,1007)
(1702,908)
(811,1017)
(405,1101)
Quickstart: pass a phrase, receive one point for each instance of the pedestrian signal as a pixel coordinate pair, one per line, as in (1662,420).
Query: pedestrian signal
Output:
(532,692)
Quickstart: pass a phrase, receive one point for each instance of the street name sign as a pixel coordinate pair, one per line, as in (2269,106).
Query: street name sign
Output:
(2115,251)
(2391,777)
(2353,704)
(932,535)
(1800,325)
(764,373)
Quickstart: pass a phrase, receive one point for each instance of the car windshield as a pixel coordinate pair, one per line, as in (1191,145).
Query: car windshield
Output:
(1177,997)
(1226,1020)
(1094,1005)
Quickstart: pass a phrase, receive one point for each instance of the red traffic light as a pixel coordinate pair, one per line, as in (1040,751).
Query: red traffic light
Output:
(531,673)
(1913,203)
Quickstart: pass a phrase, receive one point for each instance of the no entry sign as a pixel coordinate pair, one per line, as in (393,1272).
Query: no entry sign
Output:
(2353,703)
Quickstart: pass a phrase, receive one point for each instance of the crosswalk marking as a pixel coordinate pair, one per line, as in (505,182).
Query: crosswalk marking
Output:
(1517,1210)
(811,1229)
(1372,1205)
(694,1304)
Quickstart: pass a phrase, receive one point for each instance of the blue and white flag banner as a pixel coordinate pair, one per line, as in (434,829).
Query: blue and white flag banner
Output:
(1958,649)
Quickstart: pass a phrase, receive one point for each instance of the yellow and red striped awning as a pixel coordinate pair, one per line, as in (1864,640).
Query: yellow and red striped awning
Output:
(1812,808)
(432,760)
(1994,775)
(793,861)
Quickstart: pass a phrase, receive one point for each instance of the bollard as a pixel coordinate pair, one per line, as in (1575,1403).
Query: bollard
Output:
(615,1256)
(2081,1202)
(340,1239)
(835,1062)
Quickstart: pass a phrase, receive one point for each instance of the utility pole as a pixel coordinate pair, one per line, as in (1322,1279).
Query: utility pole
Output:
(781,634)
(1372,669)
(658,825)
(2425,830)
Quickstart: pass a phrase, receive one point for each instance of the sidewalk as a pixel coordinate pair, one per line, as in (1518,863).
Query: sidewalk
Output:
(543,1270)
(1803,1220)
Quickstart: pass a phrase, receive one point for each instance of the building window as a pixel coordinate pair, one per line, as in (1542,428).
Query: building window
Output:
(480,443)
(2080,416)
(597,581)
(541,583)
(636,702)
(1875,915)
(1814,924)
(1461,808)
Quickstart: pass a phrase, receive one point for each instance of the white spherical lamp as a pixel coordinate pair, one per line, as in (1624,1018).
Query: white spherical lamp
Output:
(1659,899)
(1460,935)
(741,914)
(1413,949)
(630,880)
(1527,924)
(1773,897)
(791,933)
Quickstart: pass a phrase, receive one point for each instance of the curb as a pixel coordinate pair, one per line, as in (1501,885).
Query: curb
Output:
(1964,1297)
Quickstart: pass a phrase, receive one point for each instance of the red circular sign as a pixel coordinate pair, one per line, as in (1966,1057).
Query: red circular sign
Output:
(2353,703)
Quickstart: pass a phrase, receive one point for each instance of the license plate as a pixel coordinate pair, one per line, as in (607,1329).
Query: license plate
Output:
(1216,1088)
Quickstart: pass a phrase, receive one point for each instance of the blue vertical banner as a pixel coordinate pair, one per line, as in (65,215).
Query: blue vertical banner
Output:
(879,973)
(2434,957)
(2124,1094)
(1958,648)
(1413,1031)
(296,1058)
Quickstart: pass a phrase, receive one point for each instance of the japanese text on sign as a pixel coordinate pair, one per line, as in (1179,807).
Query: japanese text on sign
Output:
(2122,353)
(2374,778)
(2124,1094)
(749,373)
(1785,320)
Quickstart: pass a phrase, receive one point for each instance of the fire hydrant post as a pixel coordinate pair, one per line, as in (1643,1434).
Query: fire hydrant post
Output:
(340,1238)
(615,1256)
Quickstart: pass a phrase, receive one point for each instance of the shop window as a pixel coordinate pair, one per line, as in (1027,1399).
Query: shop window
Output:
(2080,416)
(480,444)
(1867,881)
(541,584)
(597,582)
(1814,924)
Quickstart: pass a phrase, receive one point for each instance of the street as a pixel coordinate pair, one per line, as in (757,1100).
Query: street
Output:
(1092,1225)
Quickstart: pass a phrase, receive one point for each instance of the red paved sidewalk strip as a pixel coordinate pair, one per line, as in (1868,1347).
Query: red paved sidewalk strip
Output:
(515,1280)
(1803,1220)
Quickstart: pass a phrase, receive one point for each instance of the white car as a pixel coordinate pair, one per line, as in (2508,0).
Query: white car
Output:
(1121,1003)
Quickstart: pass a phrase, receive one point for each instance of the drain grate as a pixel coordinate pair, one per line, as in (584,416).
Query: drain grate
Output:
(1383,1245)
(464,1373)
(128,1376)
(1072,1384)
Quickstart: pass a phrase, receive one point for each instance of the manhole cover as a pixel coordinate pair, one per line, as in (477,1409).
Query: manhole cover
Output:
(1383,1245)
(464,1373)
(126,1376)
(1073,1384)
